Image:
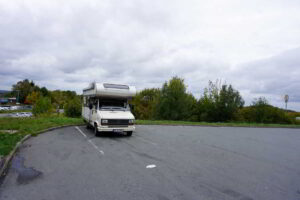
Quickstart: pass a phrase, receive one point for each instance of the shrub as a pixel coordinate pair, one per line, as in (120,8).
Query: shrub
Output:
(219,103)
(43,105)
(144,103)
(261,112)
(174,103)
(73,108)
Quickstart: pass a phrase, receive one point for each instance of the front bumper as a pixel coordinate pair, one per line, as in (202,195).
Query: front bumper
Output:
(114,128)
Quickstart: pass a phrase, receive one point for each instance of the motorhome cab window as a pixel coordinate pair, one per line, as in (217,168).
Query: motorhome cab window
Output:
(113,105)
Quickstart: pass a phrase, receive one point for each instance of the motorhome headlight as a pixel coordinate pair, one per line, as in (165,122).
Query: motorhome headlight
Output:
(104,121)
(131,121)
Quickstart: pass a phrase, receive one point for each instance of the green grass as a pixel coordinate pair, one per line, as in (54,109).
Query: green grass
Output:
(29,126)
(8,141)
(220,124)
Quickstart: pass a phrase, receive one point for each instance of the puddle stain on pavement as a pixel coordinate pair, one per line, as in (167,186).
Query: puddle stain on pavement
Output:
(25,174)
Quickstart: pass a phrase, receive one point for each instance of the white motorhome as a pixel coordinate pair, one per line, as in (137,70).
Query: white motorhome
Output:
(106,108)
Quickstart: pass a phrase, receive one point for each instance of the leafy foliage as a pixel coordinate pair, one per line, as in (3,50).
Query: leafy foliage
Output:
(144,103)
(43,105)
(261,112)
(60,98)
(73,108)
(174,103)
(24,88)
(33,97)
(219,103)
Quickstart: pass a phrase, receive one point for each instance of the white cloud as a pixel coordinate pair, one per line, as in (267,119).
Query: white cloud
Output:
(66,44)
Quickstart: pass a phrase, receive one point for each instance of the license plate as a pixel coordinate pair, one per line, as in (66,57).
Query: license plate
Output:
(118,130)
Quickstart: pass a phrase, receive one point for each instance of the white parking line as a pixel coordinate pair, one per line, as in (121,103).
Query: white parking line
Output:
(82,133)
(150,166)
(96,147)
(90,141)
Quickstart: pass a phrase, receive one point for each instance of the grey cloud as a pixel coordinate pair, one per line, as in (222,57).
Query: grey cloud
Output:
(144,43)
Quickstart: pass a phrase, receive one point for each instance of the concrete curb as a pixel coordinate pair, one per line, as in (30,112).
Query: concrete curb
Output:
(56,127)
(8,158)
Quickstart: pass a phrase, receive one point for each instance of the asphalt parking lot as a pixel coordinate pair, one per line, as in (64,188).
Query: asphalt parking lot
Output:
(158,162)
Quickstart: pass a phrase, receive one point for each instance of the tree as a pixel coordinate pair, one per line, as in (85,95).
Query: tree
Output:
(73,108)
(219,102)
(24,88)
(144,103)
(62,97)
(262,112)
(44,91)
(174,103)
(32,97)
(228,103)
(43,105)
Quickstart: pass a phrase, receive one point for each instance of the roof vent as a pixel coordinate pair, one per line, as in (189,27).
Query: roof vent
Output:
(124,87)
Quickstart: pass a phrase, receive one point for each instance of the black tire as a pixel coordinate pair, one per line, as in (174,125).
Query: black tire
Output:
(88,126)
(96,130)
(129,133)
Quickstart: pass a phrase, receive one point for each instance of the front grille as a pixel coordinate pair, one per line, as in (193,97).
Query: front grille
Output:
(117,126)
(118,122)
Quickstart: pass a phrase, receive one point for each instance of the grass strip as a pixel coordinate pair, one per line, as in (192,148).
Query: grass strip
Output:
(31,126)
(216,124)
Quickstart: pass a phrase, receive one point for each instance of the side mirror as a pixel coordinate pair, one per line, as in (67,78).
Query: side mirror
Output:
(91,106)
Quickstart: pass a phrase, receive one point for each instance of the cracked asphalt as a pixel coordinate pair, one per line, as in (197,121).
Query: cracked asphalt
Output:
(157,162)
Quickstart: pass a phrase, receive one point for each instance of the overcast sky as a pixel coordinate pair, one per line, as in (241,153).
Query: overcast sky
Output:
(253,45)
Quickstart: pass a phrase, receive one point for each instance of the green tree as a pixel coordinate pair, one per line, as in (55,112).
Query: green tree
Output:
(219,103)
(228,104)
(24,88)
(32,97)
(262,112)
(144,103)
(43,105)
(60,98)
(73,108)
(174,103)
(44,91)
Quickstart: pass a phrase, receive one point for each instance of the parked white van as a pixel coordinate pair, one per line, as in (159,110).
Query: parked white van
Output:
(106,108)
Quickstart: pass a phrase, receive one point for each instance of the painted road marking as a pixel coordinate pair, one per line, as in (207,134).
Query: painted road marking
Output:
(150,166)
(90,141)
(80,131)
(96,147)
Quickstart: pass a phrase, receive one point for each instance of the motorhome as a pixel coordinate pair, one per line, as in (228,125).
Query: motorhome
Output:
(106,108)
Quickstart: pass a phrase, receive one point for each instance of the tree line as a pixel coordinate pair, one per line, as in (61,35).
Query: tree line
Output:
(45,101)
(218,103)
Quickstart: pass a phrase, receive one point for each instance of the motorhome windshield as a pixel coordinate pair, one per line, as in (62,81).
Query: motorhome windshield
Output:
(113,105)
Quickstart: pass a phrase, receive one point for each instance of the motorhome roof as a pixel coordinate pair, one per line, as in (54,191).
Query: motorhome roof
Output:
(109,90)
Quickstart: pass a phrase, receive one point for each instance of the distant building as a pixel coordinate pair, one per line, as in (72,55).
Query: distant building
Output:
(12,100)
(8,100)
(3,100)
